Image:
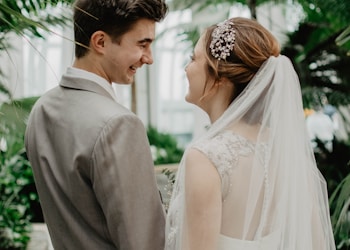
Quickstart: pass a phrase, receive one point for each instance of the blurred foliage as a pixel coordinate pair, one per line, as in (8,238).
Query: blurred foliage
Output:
(164,147)
(15,197)
(28,18)
(19,202)
(31,17)
(16,113)
(15,213)
(333,164)
(335,167)
(340,203)
(322,64)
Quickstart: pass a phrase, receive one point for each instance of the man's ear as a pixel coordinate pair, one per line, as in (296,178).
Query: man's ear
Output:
(97,41)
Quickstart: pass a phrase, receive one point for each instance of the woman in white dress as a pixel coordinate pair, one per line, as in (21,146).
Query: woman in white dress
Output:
(251,181)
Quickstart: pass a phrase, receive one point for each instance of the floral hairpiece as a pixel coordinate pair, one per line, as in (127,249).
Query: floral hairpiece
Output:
(223,40)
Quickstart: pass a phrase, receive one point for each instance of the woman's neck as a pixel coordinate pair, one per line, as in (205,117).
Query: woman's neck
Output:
(216,110)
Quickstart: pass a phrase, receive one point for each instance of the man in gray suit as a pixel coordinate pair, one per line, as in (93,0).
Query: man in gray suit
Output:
(90,156)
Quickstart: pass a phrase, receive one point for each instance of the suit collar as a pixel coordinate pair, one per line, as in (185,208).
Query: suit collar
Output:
(78,83)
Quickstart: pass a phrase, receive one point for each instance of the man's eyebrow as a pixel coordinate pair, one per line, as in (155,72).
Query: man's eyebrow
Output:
(146,40)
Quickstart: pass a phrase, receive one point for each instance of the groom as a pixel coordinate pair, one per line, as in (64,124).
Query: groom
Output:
(90,156)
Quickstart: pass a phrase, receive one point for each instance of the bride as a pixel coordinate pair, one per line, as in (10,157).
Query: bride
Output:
(251,182)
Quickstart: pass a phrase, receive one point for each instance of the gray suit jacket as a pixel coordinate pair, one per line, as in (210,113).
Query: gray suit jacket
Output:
(93,171)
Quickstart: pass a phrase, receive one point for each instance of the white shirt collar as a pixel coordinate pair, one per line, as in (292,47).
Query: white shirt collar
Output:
(79,73)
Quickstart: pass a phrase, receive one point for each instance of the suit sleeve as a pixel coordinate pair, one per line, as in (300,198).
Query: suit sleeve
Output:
(125,185)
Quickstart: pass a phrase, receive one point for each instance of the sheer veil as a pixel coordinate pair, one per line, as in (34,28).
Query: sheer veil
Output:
(285,193)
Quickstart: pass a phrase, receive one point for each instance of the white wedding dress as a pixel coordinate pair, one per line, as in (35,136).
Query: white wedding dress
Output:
(266,243)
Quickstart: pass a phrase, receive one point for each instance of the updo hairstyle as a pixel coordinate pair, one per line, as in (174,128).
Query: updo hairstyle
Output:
(253,45)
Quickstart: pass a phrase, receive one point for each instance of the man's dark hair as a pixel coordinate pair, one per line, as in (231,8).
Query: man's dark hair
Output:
(115,17)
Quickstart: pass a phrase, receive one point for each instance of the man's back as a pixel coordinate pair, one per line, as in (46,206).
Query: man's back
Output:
(78,143)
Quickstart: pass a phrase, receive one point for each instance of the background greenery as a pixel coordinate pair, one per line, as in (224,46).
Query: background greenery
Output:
(19,205)
(27,19)
(319,50)
(15,198)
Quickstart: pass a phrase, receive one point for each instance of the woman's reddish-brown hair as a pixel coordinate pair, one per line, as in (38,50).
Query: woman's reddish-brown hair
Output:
(254,44)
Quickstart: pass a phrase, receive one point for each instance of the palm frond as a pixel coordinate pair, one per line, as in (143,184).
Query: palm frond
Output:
(340,201)
(344,38)
(29,17)
(4,90)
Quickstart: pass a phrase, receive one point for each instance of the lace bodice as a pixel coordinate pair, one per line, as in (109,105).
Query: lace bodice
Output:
(225,150)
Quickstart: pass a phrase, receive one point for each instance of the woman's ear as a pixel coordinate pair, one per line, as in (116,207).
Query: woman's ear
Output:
(227,87)
(223,81)
(98,41)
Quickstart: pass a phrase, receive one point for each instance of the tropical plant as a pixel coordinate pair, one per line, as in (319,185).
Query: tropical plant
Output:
(18,197)
(335,166)
(164,147)
(15,199)
(28,18)
(340,203)
(344,38)
(322,65)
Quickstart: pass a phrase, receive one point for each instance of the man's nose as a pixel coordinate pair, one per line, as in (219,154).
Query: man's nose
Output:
(186,66)
(147,57)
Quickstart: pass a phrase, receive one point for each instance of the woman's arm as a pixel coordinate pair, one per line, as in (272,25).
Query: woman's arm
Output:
(203,202)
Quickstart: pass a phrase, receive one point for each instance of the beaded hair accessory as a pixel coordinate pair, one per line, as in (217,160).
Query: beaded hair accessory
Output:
(223,40)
